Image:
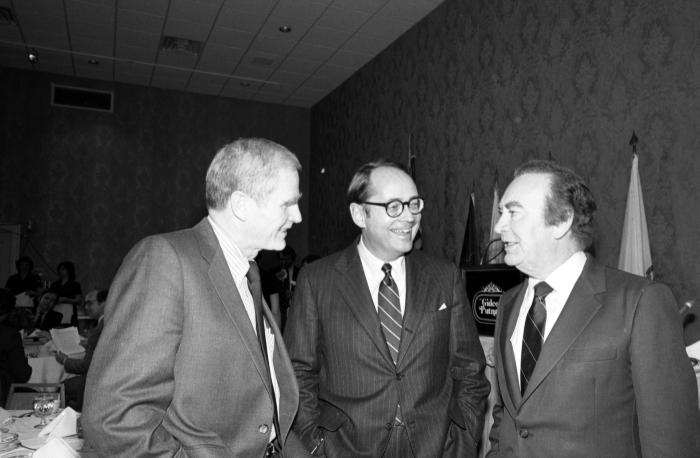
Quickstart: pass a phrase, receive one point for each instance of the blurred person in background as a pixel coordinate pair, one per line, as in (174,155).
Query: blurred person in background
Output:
(14,367)
(75,386)
(25,280)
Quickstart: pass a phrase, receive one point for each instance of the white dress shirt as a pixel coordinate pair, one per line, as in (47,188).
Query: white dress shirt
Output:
(372,267)
(238,266)
(562,281)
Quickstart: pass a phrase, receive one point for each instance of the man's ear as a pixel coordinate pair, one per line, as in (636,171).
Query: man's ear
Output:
(559,230)
(357,211)
(239,204)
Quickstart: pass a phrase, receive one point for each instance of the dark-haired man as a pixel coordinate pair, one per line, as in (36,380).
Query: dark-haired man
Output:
(589,360)
(384,347)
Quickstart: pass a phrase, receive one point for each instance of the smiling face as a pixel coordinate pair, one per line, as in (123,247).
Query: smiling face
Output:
(530,243)
(387,238)
(274,215)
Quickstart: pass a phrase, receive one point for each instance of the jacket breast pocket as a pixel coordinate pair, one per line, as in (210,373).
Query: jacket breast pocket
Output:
(591,354)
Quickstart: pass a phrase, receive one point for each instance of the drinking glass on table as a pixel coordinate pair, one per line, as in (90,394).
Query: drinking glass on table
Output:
(44,405)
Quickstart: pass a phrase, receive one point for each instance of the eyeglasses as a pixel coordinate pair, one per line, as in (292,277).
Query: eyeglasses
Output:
(394,208)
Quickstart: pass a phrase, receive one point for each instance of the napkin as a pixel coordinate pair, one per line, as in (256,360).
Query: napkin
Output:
(56,448)
(63,425)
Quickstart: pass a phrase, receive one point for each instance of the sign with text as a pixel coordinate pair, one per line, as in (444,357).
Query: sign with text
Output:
(485,285)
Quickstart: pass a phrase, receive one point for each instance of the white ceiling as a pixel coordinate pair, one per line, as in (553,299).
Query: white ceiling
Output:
(244,55)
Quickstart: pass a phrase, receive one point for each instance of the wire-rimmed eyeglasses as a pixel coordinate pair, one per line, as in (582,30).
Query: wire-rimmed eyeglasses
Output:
(394,208)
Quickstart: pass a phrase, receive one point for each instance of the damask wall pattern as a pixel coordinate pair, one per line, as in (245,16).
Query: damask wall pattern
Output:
(93,183)
(481,86)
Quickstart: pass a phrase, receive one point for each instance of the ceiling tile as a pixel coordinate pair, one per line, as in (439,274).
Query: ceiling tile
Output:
(326,37)
(280,90)
(253,72)
(156,7)
(343,19)
(179,60)
(272,44)
(293,65)
(407,10)
(368,6)
(311,52)
(233,88)
(136,53)
(255,7)
(94,73)
(138,20)
(170,79)
(240,20)
(290,12)
(220,59)
(91,45)
(80,11)
(86,31)
(231,37)
(10,33)
(206,84)
(203,12)
(289,78)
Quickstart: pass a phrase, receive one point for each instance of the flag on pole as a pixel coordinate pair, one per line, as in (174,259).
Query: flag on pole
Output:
(494,253)
(635,255)
(470,245)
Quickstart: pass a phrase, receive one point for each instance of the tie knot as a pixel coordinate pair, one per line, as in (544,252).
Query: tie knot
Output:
(386,268)
(542,289)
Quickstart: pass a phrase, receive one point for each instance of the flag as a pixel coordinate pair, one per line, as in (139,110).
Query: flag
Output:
(635,255)
(470,245)
(494,253)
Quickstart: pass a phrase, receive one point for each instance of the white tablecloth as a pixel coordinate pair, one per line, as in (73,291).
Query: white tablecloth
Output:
(45,369)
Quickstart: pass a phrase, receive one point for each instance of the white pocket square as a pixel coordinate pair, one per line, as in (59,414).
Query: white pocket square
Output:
(442,307)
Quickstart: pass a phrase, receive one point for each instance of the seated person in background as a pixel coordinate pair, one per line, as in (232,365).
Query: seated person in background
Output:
(75,386)
(25,280)
(13,363)
(46,318)
(67,289)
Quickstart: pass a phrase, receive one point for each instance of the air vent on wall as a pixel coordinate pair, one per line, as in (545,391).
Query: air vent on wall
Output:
(181,45)
(82,98)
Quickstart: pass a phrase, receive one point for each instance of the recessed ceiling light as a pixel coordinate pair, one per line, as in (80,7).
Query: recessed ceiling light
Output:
(285,29)
(94,62)
(32,55)
(245,84)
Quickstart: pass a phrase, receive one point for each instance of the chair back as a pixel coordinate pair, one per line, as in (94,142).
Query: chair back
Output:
(21,395)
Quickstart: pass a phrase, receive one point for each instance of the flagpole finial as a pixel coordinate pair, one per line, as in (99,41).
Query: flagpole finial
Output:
(633,142)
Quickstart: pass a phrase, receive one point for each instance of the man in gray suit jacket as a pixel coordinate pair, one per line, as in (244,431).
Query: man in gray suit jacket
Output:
(382,342)
(596,366)
(179,369)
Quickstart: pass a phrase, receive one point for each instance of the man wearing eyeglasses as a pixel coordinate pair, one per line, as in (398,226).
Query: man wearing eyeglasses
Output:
(383,346)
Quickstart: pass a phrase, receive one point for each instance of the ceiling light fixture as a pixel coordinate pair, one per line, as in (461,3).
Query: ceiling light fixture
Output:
(32,55)
(285,29)
(244,84)
(94,62)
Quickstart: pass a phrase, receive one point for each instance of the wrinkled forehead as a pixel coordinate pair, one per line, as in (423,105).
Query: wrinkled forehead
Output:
(527,190)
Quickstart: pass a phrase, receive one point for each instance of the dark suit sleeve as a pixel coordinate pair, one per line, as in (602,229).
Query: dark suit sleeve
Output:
(19,368)
(664,384)
(495,427)
(302,339)
(131,380)
(467,364)
(81,365)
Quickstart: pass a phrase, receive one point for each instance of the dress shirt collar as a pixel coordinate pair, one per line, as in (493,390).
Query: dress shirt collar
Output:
(238,263)
(372,267)
(564,277)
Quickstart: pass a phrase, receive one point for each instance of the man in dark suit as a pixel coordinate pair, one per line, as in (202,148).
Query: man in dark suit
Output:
(589,359)
(181,368)
(382,342)
(75,386)
(46,317)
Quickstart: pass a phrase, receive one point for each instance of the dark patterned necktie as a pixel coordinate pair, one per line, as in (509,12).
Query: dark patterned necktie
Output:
(533,334)
(390,312)
(255,287)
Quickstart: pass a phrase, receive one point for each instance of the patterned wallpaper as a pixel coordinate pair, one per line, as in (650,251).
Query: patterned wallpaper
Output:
(94,183)
(481,86)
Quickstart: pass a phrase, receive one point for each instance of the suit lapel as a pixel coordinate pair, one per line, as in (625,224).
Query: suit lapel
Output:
(221,278)
(416,302)
(507,370)
(584,302)
(354,291)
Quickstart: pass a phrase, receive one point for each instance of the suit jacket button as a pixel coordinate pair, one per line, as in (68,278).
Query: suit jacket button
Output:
(524,433)
(263,429)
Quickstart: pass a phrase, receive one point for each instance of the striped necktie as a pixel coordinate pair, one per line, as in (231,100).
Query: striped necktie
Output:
(390,312)
(533,334)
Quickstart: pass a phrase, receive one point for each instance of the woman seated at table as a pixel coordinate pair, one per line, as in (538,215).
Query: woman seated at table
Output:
(46,318)
(13,363)
(67,289)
